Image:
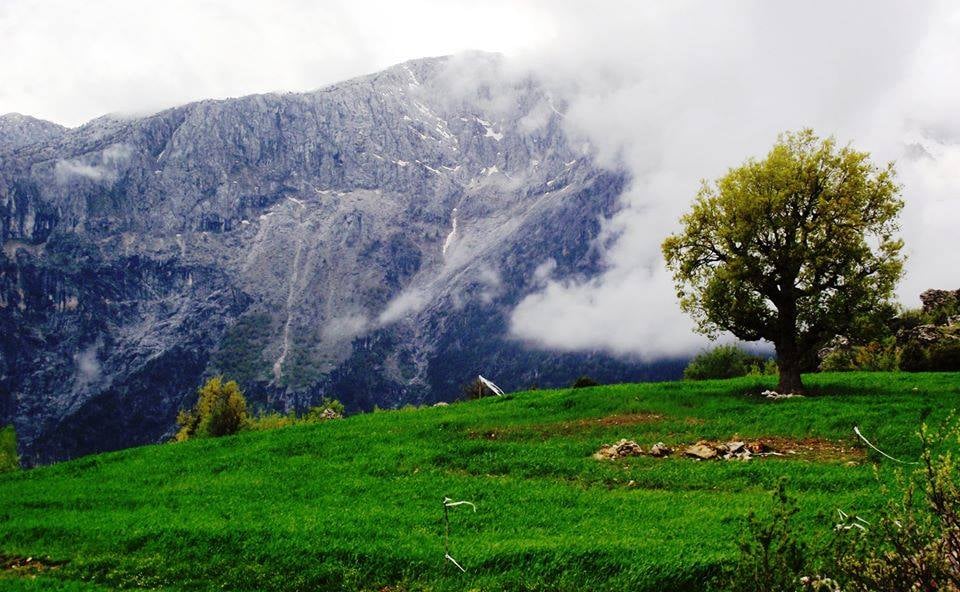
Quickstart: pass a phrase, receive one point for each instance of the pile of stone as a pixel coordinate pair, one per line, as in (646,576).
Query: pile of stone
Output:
(702,450)
(330,414)
(777,396)
(737,450)
(621,449)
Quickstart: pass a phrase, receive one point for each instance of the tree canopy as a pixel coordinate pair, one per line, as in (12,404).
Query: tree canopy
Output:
(792,249)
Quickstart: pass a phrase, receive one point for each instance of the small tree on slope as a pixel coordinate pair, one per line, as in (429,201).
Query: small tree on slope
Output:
(793,249)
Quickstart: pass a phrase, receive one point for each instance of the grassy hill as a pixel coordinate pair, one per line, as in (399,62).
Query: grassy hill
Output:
(356,503)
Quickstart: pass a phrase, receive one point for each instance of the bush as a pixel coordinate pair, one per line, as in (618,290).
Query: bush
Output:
(876,356)
(914,358)
(945,357)
(772,557)
(272,420)
(584,382)
(9,458)
(724,361)
(913,546)
(221,410)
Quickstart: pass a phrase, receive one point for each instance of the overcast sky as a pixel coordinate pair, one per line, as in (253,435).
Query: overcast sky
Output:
(675,91)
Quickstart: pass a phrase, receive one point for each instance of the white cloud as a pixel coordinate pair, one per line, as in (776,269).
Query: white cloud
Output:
(102,167)
(682,91)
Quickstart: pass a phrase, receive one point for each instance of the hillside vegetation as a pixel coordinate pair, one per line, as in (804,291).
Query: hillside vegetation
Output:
(356,504)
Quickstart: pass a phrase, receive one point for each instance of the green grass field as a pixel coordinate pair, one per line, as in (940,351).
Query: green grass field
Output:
(356,503)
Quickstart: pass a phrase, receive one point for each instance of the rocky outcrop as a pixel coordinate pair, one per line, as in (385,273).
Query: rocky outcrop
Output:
(366,241)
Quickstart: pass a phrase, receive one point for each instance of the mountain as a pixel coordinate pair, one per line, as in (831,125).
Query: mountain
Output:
(18,130)
(366,241)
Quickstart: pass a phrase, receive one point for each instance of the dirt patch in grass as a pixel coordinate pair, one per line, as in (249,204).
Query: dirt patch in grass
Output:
(18,564)
(815,449)
(566,428)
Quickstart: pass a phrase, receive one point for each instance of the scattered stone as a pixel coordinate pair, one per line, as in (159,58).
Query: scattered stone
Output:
(736,447)
(702,450)
(621,449)
(659,450)
(775,395)
(330,414)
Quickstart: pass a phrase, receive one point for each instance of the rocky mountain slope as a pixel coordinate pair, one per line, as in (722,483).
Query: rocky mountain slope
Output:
(365,241)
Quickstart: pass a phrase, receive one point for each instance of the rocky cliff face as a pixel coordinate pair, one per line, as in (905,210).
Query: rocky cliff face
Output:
(366,241)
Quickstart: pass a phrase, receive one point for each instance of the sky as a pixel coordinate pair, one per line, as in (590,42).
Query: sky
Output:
(674,91)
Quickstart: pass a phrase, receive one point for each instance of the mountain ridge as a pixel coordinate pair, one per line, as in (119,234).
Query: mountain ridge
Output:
(366,240)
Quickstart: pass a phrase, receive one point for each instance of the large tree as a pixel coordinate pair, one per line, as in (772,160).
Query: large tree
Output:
(793,249)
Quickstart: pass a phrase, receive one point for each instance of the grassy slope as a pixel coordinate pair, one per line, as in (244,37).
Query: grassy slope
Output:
(356,503)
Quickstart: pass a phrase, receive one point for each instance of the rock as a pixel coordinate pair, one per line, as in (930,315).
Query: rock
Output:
(441,404)
(736,447)
(621,449)
(660,450)
(330,414)
(776,396)
(702,451)
(935,301)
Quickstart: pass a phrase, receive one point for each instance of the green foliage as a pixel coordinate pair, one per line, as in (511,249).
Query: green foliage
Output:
(725,361)
(327,409)
(354,504)
(792,249)
(914,358)
(945,357)
(221,410)
(915,543)
(876,356)
(772,555)
(240,353)
(9,457)
(584,382)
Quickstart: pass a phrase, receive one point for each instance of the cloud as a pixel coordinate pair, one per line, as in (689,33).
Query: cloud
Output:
(408,302)
(102,167)
(680,92)
(87,366)
(75,61)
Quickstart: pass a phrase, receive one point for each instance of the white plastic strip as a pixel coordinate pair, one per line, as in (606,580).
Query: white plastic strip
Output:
(856,430)
(496,389)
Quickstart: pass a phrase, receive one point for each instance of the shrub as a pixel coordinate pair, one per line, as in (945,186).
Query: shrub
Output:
(327,409)
(876,356)
(272,420)
(945,357)
(9,458)
(724,361)
(221,410)
(913,546)
(914,358)
(584,382)
(772,557)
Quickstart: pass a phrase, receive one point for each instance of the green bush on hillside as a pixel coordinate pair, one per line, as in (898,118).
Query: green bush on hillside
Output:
(726,361)
(584,382)
(221,410)
(876,356)
(945,357)
(9,458)
(327,409)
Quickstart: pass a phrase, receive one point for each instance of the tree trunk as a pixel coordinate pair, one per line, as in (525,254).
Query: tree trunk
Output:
(788,362)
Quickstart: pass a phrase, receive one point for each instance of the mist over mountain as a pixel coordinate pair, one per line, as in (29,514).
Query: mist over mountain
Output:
(366,241)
